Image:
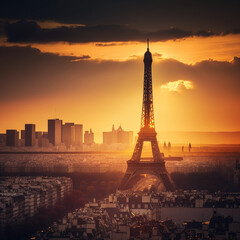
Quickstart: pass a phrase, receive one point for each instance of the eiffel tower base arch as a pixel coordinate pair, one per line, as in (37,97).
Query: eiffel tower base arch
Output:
(135,169)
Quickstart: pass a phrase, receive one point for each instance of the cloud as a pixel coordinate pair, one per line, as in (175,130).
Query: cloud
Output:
(108,44)
(178,86)
(148,15)
(31,32)
(26,71)
(107,86)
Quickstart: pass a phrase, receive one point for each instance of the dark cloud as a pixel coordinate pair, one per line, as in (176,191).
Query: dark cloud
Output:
(2,28)
(30,31)
(211,78)
(151,15)
(107,44)
(25,31)
(27,72)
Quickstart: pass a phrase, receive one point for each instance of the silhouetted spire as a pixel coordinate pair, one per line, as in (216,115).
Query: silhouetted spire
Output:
(148,56)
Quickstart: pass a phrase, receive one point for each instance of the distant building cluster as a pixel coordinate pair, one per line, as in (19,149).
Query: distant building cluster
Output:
(118,138)
(65,136)
(143,216)
(22,197)
(58,135)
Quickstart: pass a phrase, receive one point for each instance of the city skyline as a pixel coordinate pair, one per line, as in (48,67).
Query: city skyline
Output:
(80,68)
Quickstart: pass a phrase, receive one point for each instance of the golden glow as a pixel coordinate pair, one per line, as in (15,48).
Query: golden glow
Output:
(189,50)
(100,107)
(53,24)
(178,86)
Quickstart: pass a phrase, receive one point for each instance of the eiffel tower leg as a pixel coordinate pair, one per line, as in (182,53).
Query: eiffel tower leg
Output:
(167,181)
(127,176)
(155,150)
(137,150)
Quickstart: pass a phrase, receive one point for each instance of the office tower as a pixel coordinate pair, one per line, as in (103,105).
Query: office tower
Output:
(44,141)
(29,135)
(118,136)
(89,137)
(68,134)
(12,137)
(45,135)
(78,134)
(38,138)
(2,139)
(55,131)
(22,134)
(38,135)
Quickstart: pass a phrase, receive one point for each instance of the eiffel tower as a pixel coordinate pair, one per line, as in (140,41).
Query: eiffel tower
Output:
(137,166)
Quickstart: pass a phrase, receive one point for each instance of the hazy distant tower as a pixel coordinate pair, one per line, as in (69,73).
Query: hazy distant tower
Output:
(68,134)
(89,137)
(55,131)
(12,137)
(78,134)
(29,135)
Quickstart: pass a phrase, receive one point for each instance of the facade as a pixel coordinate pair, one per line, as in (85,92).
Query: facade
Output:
(2,139)
(89,137)
(68,134)
(30,135)
(12,137)
(141,215)
(21,197)
(78,134)
(22,134)
(118,136)
(55,131)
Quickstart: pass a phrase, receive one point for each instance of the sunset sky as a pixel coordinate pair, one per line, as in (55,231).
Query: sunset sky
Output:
(81,61)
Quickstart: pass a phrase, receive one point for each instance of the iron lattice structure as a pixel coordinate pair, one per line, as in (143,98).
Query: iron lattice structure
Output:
(155,166)
(147,120)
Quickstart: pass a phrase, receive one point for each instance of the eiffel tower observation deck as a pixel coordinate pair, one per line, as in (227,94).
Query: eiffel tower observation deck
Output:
(136,165)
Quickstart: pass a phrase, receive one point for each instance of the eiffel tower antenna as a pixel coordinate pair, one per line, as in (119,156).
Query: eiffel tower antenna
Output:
(155,165)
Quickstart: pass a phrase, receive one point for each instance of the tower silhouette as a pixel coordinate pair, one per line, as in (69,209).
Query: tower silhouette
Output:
(155,165)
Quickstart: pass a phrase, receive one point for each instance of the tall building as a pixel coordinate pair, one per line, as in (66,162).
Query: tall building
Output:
(68,134)
(2,139)
(78,134)
(55,131)
(89,137)
(118,136)
(22,134)
(29,135)
(44,141)
(12,137)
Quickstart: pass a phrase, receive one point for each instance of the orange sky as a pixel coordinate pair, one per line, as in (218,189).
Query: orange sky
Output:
(189,50)
(187,109)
